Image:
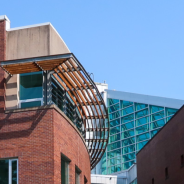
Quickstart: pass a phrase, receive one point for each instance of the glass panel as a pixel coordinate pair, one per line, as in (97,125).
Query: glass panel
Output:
(14,172)
(157,116)
(114,153)
(114,169)
(104,166)
(114,138)
(114,122)
(115,130)
(157,124)
(113,108)
(114,115)
(127,165)
(128,118)
(64,172)
(4,166)
(127,134)
(142,113)
(139,106)
(114,161)
(129,141)
(155,108)
(170,112)
(125,103)
(142,129)
(127,110)
(143,137)
(168,118)
(111,101)
(142,121)
(128,149)
(31,85)
(127,126)
(30,104)
(141,145)
(128,157)
(77,178)
(113,146)
(154,132)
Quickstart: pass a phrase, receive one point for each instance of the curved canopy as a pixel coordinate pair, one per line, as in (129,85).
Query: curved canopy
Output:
(73,78)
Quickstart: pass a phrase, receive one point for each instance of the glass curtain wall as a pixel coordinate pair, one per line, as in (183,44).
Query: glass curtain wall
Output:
(132,125)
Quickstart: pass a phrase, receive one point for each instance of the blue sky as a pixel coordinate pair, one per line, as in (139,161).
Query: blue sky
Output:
(134,45)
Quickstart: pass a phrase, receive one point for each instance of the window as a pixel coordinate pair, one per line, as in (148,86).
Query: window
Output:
(65,161)
(9,171)
(31,90)
(166,173)
(85,180)
(153,181)
(182,161)
(77,175)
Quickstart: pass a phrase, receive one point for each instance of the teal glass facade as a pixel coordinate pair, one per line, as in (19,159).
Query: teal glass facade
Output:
(132,125)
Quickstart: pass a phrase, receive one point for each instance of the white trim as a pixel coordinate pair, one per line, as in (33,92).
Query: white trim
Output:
(29,26)
(10,171)
(4,17)
(30,100)
(145,99)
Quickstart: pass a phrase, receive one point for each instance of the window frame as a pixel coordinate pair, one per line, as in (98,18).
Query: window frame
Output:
(77,175)
(67,162)
(32,99)
(10,160)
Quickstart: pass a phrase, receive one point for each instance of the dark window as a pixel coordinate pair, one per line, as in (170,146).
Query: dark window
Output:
(31,90)
(9,171)
(65,169)
(77,175)
(85,180)
(153,181)
(182,160)
(166,173)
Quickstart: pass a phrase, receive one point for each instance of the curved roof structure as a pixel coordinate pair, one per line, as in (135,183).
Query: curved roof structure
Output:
(70,74)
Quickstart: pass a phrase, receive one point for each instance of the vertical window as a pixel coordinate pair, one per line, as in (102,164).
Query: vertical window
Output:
(182,160)
(153,181)
(77,175)
(166,173)
(65,169)
(31,90)
(9,171)
(85,180)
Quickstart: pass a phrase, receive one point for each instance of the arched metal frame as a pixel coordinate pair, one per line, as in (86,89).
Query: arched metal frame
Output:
(71,75)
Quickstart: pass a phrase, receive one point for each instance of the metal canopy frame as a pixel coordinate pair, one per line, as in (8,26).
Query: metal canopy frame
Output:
(71,75)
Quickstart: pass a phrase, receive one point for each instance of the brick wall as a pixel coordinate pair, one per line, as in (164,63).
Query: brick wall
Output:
(38,138)
(68,142)
(164,150)
(2,57)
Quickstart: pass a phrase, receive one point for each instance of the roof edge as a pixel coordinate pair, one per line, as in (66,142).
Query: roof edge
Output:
(4,17)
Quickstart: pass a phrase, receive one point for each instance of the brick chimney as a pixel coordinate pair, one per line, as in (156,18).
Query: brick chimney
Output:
(4,25)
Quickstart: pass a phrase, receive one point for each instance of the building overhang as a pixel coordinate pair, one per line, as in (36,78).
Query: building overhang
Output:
(73,78)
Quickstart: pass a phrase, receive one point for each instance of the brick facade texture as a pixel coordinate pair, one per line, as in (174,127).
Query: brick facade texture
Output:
(37,138)
(2,58)
(163,151)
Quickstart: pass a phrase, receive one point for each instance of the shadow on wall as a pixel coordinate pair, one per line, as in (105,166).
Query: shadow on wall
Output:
(26,130)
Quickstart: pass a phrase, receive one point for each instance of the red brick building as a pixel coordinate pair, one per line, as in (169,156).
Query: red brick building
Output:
(162,158)
(52,117)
